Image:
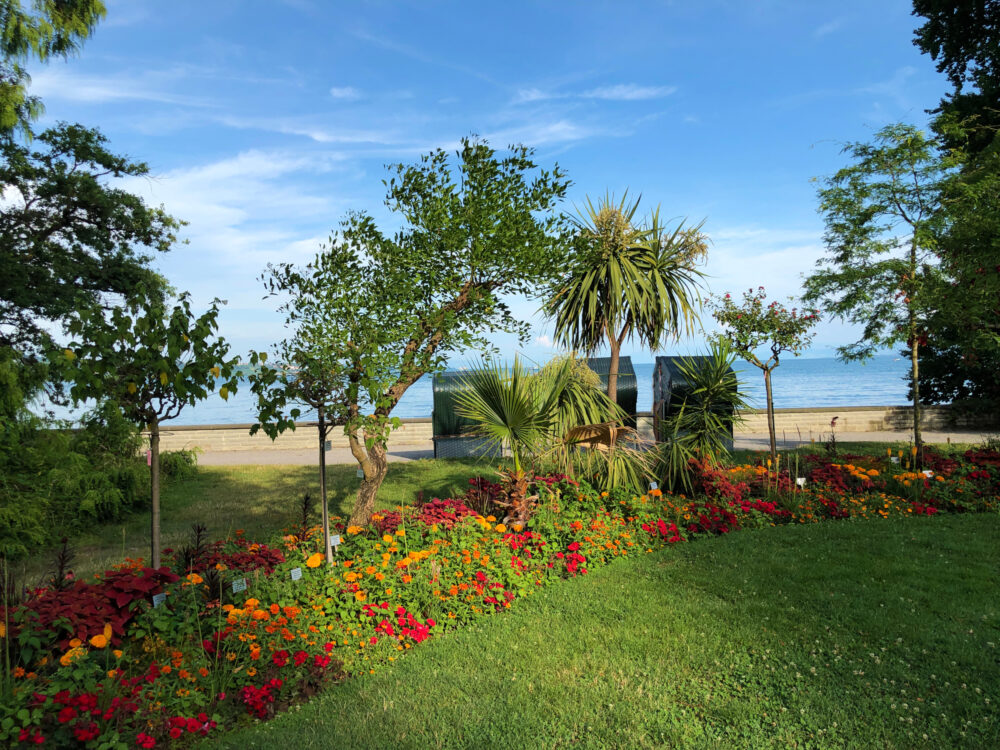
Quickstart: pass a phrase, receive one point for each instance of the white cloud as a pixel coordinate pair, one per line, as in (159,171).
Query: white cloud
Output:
(348,93)
(829,27)
(151,86)
(544,340)
(628,92)
(312,131)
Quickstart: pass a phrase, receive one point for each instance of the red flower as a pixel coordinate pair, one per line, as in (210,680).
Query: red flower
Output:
(144,740)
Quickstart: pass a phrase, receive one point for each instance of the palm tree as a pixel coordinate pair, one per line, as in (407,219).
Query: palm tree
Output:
(551,413)
(626,280)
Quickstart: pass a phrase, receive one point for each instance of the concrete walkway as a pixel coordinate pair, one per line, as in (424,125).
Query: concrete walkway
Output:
(749,441)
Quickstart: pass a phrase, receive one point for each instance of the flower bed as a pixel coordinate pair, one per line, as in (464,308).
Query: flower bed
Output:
(239,630)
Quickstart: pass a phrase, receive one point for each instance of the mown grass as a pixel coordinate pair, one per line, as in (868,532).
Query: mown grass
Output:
(261,500)
(848,634)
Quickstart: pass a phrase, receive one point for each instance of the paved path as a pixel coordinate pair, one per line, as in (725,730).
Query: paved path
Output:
(753,441)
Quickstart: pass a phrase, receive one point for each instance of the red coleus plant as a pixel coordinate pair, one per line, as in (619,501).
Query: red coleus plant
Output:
(83,609)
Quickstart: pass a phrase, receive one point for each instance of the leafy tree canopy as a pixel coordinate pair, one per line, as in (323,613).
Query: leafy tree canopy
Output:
(68,237)
(39,30)
(377,311)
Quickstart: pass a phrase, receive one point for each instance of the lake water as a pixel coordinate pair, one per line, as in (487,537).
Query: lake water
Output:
(796,383)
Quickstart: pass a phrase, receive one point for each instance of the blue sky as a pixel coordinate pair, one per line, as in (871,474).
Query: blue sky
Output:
(264,122)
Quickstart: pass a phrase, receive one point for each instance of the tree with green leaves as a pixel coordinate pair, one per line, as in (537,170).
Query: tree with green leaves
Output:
(476,230)
(883,222)
(69,237)
(152,361)
(627,279)
(42,30)
(308,374)
(963,38)
(757,325)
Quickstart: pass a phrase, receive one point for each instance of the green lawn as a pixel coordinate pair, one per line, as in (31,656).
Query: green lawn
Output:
(843,634)
(262,500)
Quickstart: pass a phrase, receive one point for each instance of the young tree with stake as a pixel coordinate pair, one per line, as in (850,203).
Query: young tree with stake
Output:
(753,326)
(151,361)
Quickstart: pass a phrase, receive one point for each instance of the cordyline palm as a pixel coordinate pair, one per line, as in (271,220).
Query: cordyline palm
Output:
(626,280)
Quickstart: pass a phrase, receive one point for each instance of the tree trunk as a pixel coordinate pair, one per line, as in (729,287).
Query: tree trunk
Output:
(770,414)
(322,486)
(915,374)
(613,371)
(914,346)
(154,492)
(375,467)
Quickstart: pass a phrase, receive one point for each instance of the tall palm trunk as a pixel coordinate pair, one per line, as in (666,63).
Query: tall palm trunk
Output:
(613,371)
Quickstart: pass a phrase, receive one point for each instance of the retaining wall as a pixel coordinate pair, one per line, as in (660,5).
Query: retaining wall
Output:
(789,423)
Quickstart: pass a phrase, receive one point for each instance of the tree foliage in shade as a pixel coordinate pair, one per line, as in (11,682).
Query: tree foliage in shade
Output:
(963,37)
(883,224)
(628,279)
(40,30)
(68,236)
(475,229)
(151,360)
(757,325)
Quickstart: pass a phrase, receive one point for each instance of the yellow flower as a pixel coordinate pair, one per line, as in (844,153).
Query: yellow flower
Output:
(117,653)
(501,528)
(355,529)
(315,560)
(360,595)
(400,532)
(98,641)
(387,539)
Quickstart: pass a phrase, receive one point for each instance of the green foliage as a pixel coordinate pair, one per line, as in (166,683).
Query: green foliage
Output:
(536,414)
(702,428)
(46,29)
(627,279)
(151,361)
(57,478)
(68,236)
(377,312)
(882,230)
(181,464)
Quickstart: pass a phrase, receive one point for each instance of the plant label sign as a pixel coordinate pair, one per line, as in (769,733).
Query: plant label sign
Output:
(894,459)
(335,541)
(653,486)
(296,573)
(800,481)
(240,584)
(158,599)
(928,473)
(361,473)
(149,458)
(328,445)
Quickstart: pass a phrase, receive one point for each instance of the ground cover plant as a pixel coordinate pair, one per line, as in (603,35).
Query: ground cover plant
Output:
(238,630)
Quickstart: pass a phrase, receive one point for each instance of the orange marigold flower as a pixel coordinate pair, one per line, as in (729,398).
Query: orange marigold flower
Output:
(314,560)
